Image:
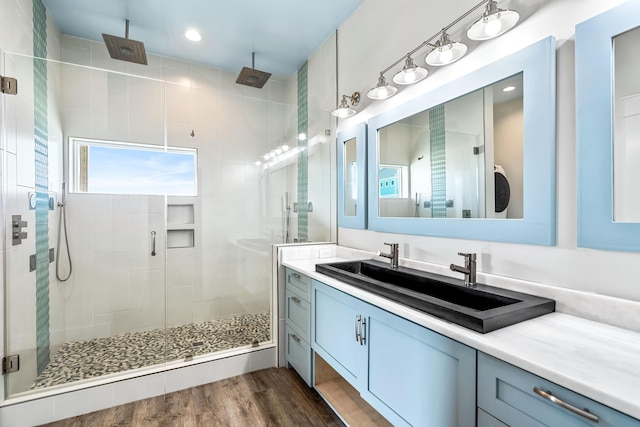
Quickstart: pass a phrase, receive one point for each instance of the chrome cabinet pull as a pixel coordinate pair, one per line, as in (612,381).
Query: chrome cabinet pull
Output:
(296,300)
(363,334)
(296,275)
(551,398)
(295,338)
(153,243)
(358,320)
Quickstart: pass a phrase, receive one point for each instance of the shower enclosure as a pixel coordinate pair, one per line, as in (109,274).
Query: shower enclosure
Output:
(169,216)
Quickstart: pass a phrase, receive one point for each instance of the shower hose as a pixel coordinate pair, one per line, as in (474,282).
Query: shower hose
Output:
(62,224)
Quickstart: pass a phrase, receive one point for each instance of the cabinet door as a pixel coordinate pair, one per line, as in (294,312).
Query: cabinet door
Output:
(419,377)
(334,332)
(507,393)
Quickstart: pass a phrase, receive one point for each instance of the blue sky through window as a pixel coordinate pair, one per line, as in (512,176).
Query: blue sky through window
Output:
(117,170)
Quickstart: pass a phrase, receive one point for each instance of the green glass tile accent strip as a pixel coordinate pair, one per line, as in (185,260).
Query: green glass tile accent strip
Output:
(438,162)
(41,148)
(303,164)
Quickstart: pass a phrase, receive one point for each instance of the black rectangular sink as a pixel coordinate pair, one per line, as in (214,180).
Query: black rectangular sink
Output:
(481,308)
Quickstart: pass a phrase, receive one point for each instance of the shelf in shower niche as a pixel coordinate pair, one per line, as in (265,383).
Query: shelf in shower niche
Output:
(180,214)
(180,239)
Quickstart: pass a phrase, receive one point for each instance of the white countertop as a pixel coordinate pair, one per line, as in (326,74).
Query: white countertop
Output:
(599,361)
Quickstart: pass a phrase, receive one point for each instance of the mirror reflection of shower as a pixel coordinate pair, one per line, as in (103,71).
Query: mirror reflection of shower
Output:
(286,217)
(62,226)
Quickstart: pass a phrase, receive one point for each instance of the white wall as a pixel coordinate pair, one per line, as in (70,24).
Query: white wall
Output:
(369,41)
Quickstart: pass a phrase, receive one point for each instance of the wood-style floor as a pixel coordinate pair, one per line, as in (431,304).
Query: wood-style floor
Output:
(270,397)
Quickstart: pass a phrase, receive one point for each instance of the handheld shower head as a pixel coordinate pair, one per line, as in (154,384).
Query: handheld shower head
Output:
(63,198)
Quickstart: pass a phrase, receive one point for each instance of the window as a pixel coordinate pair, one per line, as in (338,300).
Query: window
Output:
(125,168)
(392,180)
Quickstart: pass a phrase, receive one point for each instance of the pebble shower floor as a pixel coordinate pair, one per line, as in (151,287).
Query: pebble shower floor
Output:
(102,356)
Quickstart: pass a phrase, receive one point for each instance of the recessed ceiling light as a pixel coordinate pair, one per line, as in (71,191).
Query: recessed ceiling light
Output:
(193,35)
(509,88)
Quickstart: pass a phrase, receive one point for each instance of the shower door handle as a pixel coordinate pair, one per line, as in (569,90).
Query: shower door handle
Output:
(153,243)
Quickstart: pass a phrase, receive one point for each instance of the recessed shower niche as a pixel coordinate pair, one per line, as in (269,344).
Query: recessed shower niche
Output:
(180,214)
(179,236)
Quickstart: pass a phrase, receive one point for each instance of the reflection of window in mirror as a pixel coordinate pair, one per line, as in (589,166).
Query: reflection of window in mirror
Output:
(626,127)
(351,178)
(464,158)
(393,182)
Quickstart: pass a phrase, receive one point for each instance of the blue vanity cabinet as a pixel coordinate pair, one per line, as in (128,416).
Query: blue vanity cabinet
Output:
(337,332)
(298,323)
(409,374)
(507,393)
(418,377)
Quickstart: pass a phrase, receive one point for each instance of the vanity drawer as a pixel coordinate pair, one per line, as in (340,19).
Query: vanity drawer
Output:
(507,393)
(299,355)
(300,282)
(486,420)
(298,312)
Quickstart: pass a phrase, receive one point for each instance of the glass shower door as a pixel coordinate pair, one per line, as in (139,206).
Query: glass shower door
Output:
(108,316)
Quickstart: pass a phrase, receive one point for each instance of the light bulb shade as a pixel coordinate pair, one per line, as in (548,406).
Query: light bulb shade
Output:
(343,109)
(446,52)
(383,90)
(410,73)
(493,22)
(342,112)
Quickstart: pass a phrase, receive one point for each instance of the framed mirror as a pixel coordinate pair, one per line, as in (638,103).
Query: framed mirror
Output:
(474,159)
(608,129)
(352,177)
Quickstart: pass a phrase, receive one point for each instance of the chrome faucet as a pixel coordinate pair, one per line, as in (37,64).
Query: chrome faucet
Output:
(393,255)
(469,269)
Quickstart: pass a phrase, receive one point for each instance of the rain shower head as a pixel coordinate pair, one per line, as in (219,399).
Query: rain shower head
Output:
(125,49)
(251,76)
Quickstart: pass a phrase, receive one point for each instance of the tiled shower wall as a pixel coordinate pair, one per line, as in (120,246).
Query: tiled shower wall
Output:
(117,288)
(19,179)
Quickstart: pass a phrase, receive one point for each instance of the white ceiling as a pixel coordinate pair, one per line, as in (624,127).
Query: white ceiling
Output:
(283,33)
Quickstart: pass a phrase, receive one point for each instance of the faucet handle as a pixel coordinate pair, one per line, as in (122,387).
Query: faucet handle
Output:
(471,256)
(393,245)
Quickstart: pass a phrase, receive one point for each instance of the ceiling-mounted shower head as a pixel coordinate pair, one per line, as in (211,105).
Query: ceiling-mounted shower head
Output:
(125,49)
(251,76)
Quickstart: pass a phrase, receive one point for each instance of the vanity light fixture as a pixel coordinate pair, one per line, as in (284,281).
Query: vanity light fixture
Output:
(446,51)
(193,35)
(344,108)
(493,22)
(410,73)
(382,90)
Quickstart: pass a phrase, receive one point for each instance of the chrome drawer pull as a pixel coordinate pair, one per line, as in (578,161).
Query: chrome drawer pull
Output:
(363,334)
(358,321)
(296,300)
(551,398)
(296,275)
(295,338)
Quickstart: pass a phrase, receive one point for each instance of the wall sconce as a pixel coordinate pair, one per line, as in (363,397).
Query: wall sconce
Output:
(446,51)
(493,22)
(410,73)
(344,108)
(383,90)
